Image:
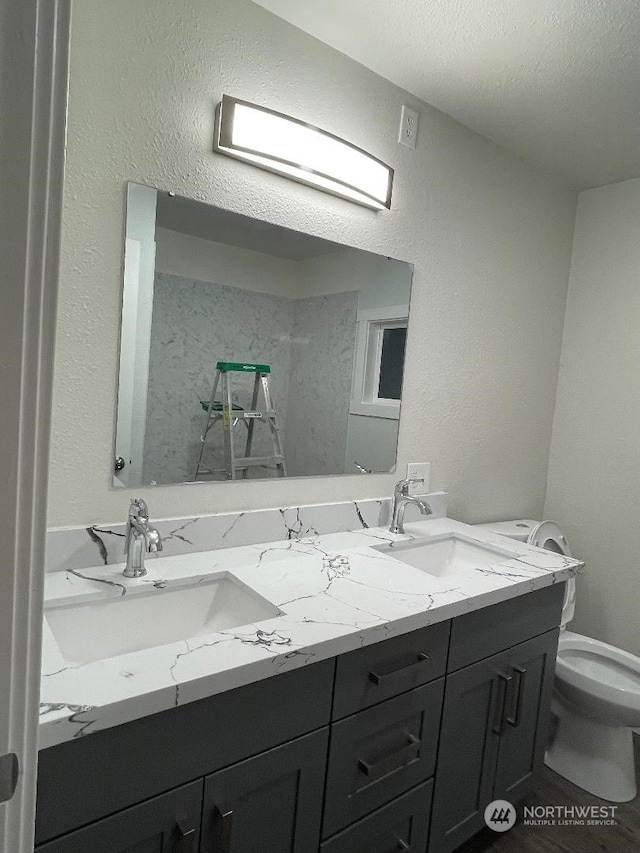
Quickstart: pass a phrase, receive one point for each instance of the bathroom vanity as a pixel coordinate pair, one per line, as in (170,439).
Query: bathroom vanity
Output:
(396,743)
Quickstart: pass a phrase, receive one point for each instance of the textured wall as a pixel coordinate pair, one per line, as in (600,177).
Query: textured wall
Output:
(489,237)
(594,468)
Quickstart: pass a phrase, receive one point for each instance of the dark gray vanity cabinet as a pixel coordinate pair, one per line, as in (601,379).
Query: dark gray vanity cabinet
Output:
(254,756)
(468,751)
(270,802)
(401,825)
(169,823)
(375,751)
(495,715)
(379,753)
(525,730)
(384,737)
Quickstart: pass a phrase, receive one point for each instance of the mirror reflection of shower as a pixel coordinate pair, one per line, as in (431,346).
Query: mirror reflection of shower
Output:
(204,287)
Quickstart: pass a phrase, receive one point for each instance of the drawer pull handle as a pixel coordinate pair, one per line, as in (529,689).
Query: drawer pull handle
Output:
(399,845)
(504,681)
(225,821)
(381,680)
(187,840)
(392,762)
(516,712)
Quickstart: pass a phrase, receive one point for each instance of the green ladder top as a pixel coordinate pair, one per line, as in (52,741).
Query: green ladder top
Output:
(242,367)
(217,406)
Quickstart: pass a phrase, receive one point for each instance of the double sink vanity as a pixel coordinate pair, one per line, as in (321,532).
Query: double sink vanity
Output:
(341,692)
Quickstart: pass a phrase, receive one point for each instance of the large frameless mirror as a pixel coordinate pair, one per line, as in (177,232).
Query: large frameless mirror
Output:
(249,350)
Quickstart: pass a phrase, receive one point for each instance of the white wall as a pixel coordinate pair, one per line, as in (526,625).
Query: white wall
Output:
(489,237)
(205,260)
(380,280)
(594,469)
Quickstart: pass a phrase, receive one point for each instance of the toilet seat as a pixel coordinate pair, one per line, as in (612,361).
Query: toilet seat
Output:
(549,535)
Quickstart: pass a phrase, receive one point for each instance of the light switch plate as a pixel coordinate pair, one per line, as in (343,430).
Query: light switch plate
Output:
(419,471)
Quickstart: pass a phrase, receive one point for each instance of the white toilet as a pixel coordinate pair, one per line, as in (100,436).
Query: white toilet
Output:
(596,696)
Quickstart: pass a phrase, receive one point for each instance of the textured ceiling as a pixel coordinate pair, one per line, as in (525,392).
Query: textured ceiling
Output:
(555,81)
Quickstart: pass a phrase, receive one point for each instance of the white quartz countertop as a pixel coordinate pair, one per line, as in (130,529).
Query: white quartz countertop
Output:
(335,594)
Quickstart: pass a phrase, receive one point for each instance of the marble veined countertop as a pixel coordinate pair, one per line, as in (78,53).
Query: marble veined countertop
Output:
(335,593)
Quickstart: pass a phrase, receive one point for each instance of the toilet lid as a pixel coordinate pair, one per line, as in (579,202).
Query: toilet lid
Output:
(549,535)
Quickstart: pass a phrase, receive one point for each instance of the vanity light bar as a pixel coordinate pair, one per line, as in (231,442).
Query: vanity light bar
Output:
(281,144)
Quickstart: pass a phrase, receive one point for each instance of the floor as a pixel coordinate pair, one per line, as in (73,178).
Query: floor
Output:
(552,789)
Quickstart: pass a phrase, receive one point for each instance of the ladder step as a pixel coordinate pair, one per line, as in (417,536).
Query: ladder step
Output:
(251,461)
(255,415)
(239,413)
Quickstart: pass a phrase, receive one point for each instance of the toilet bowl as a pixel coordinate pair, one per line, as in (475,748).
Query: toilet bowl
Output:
(596,694)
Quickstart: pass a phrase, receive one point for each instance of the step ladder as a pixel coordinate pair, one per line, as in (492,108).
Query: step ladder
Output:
(229,415)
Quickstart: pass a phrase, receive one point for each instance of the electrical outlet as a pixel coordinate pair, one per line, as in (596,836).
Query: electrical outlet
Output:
(408,127)
(418,471)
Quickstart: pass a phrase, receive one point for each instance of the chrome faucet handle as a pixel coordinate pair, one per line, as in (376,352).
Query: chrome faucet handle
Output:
(402,486)
(138,511)
(138,508)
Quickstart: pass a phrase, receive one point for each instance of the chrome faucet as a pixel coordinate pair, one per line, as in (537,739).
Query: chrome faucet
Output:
(140,537)
(401,498)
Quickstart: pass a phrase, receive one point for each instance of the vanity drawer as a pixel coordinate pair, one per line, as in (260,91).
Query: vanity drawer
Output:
(370,675)
(405,821)
(380,753)
(484,632)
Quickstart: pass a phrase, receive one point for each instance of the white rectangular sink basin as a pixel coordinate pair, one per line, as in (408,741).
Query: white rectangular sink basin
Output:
(447,555)
(142,619)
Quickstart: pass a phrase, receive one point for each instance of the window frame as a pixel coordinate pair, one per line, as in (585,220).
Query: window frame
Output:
(370,326)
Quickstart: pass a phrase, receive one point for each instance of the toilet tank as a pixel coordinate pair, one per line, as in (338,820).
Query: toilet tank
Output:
(519,528)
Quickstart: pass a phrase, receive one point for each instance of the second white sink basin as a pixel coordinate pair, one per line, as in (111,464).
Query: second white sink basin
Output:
(95,630)
(447,555)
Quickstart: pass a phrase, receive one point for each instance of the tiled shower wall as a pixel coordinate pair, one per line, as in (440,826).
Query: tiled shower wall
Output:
(308,342)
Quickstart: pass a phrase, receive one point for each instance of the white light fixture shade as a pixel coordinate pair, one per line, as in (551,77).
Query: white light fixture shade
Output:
(300,151)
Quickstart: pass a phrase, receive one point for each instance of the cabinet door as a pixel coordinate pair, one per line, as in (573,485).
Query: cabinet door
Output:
(169,823)
(472,719)
(271,803)
(522,745)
